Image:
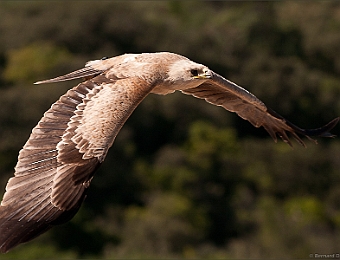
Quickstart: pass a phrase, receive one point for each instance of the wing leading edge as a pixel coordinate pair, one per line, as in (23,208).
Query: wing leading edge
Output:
(224,93)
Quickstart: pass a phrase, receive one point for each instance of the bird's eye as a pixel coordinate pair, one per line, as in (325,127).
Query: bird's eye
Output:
(194,72)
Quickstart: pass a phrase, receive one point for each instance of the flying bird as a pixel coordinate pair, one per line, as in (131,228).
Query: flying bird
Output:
(57,163)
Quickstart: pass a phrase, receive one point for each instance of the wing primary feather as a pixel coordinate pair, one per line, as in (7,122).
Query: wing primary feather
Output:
(81,73)
(41,201)
(47,211)
(323,131)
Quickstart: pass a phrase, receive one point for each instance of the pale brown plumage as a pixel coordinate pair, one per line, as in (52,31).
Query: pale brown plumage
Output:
(56,165)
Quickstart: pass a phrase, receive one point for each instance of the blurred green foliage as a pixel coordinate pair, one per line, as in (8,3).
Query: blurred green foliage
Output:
(186,179)
(26,64)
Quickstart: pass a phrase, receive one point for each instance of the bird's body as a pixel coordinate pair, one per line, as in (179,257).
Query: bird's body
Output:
(56,165)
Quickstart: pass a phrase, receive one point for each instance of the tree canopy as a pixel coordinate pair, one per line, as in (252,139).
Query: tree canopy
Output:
(186,179)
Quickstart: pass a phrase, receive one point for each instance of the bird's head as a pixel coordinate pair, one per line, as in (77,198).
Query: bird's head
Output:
(188,71)
(183,74)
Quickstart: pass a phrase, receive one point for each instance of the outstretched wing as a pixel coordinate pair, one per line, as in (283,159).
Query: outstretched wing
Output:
(222,92)
(56,165)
